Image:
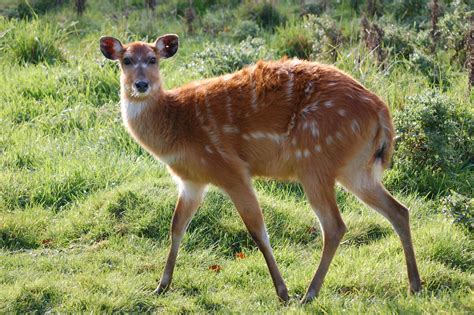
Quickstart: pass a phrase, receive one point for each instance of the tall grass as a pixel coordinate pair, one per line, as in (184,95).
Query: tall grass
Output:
(31,41)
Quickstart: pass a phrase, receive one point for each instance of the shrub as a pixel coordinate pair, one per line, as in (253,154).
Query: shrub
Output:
(435,142)
(219,58)
(426,65)
(460,208)
(265,14)
(216,22)
(454,30)
(294,40)
(317,7)
(315,37)
(408,10)
(398,40)
(245,29)
(327,35)
(27,9)
(200,6)
(32,42)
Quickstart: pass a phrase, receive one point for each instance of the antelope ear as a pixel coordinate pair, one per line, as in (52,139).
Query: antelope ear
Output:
(111,47)
(167,45)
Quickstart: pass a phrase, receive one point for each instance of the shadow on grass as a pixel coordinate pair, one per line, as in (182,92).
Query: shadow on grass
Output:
(16,240)
(363,235)
(36,299)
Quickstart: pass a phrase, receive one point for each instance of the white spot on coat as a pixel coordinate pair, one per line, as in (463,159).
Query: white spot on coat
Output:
(310,108)
(208,149)
(355,126)
(314,130)
(257,135)
(365,98)
(308,90)
(253,91)
(329,104)
(342,112)
(329,139)
(289,88)
(228,106)
(230,129)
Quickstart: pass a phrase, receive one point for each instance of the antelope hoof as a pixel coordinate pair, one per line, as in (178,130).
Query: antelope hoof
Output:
(307,298)
(415,288)
(283,295)
(162,288)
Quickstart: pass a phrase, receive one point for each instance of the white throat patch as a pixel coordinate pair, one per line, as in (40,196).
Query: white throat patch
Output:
(131,110)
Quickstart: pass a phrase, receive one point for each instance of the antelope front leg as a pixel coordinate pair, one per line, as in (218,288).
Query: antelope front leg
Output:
(190,198)
(244,199)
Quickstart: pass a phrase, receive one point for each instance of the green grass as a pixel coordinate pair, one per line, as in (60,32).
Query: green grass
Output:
(85,212)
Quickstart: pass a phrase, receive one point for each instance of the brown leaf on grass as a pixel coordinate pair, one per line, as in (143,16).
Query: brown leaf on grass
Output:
(312,230)
(47,242)
(240,255)
(215,268)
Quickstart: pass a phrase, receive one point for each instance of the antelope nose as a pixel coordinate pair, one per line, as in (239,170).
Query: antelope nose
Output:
(141,86)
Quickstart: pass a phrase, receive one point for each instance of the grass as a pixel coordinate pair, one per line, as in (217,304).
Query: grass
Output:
(85,212)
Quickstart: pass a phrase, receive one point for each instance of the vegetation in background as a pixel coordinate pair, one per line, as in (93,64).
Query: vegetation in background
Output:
(85,212)
(224,58)
(435,141)
(32,42)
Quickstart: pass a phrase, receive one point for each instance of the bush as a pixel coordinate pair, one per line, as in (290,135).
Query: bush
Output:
(294,40)
(426,65)
(435,142)
(398,40)
(265,14)
(245,29)
(460,208)
(200,6)
(220,58)
(216,22)
(315,37)
(32,42)
(27,9)
(312,8)
(327,35)
(408,10)
(454,30)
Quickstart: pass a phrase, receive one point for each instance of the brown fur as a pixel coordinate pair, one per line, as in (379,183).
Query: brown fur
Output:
(188,115)
(288,119)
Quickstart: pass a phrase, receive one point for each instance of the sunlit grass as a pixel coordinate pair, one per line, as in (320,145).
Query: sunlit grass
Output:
(85,212)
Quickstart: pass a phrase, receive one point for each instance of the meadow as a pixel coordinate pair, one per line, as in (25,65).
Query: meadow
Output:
(85,212)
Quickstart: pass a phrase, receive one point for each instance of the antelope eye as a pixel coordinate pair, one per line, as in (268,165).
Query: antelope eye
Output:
(127,61)
(152,60)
